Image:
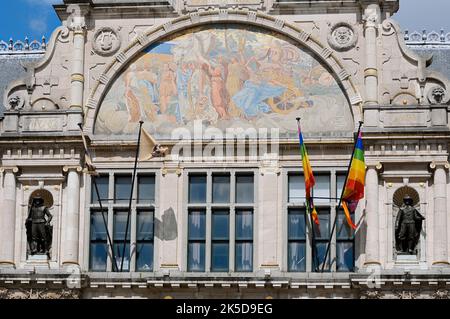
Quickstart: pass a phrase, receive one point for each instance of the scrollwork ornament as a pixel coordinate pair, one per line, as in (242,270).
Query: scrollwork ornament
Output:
(106,41)
(342,36)
(441,294)
(407,294)
(372,294)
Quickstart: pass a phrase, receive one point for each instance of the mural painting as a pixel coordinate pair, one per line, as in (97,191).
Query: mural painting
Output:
(224,77)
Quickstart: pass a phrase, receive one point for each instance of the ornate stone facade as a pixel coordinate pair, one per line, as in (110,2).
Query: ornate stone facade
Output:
(193,70)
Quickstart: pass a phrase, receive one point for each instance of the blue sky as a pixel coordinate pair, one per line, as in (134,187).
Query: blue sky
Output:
(35,18)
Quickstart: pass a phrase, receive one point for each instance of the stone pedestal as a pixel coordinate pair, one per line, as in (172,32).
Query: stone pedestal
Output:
(37,261)
(406,261)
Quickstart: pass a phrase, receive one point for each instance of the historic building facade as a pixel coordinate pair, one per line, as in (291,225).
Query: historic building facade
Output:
(221,83)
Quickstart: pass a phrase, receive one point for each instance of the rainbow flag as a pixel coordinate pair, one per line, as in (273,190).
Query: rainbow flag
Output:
(354,187)
(309,177)
(307,170)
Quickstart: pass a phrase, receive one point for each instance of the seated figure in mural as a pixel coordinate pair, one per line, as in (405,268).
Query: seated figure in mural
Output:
(408,226)
(39,230)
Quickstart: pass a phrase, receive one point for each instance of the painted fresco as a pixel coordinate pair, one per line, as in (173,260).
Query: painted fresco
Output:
(224,77)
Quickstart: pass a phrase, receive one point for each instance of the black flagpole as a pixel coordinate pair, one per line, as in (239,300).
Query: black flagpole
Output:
(131,196)
(308,203)
(94,181)
(340,198)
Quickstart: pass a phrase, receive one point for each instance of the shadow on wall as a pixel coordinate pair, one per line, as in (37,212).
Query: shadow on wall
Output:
(166,228)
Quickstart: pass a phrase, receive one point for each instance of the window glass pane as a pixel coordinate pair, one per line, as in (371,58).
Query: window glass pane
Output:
(197,189)
(296,188)
(144,257)
(220,225)
(321,250)
(244,256)
(122,189)
(322,189)
(344,256)
(196,257)
(297,256)
(120,222)
(197,225)
(244,189)
(219,257)
(98,229)
(322,231)
(221,189)
(146,189)
(97,256)
(144,225)
(340,184)
(296,224)
(118,249)
(244,225)
(102,185)
(343,230)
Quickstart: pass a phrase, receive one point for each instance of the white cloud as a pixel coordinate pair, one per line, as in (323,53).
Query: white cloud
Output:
(38,25)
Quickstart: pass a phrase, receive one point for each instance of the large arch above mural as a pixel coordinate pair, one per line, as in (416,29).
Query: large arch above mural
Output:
(224,75)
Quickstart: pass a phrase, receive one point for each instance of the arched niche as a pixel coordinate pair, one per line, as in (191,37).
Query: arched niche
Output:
(397,203)
(271,98)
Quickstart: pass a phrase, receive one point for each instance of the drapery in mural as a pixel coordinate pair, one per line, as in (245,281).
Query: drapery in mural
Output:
(225,77)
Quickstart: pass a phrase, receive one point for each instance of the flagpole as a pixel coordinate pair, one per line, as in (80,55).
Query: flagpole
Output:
(131,196)
(340,198)
(308,203)
(94,181)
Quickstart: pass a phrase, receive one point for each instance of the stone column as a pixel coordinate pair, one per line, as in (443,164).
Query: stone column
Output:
(372,217)
(268,211)
(170,229)
(440,254)
(8,218)
(77,25)
(372,20)
(71,217)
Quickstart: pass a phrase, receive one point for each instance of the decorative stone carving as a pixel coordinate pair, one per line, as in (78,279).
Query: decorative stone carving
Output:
(372,294)
(19,293)
(106,41)
(16,102)
(437,95)
(342,36)
(441,294)
(407,294)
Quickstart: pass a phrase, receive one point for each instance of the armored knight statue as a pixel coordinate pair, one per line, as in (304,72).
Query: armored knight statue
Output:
(408,226)
(39,230)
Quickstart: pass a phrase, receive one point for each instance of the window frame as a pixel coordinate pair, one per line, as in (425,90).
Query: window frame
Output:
(333,172)
(110,206)
(210,207)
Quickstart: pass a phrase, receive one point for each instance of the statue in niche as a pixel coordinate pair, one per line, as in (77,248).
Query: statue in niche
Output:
(39,230)
(408,227)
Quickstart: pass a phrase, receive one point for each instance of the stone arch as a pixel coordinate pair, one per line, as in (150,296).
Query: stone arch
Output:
(403,191)
(45,194)
(224,16)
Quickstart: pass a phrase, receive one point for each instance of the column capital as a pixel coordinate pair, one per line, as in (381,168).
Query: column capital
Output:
(12,169)
(376,166)
(75,168)
(439,164)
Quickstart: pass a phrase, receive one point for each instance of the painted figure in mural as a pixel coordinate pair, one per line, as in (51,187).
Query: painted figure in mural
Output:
(132,102)
(219,95)
(183,76)
(167,87)
(408,226)
(39,230)
(237,75)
